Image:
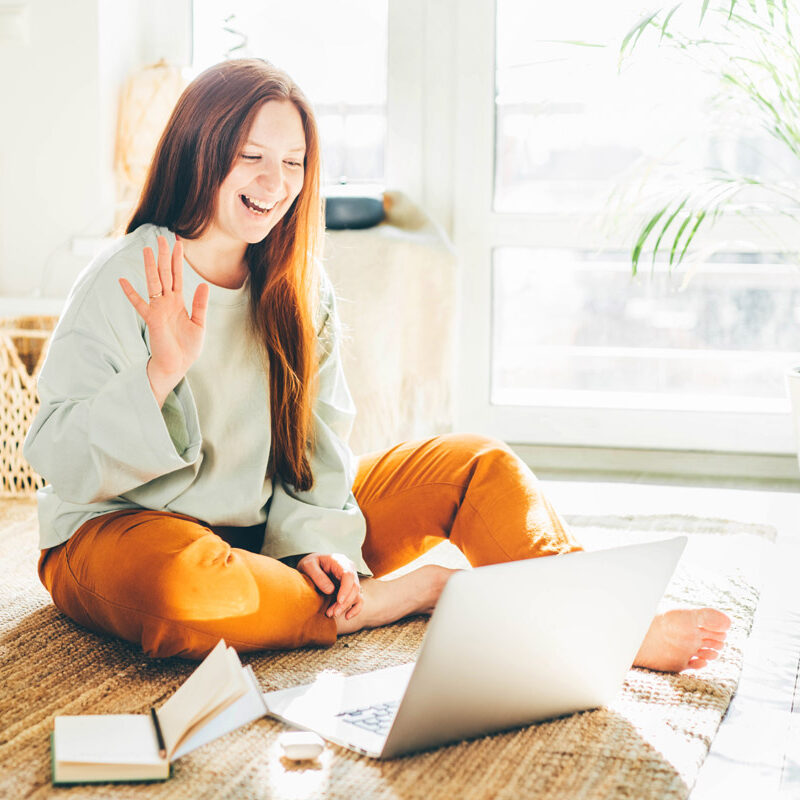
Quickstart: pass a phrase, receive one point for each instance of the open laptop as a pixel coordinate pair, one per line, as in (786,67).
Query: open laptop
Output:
(507,645)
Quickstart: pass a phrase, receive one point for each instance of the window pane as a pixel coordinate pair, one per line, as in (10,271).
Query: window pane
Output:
(572,327)
(337,53)
(570,125)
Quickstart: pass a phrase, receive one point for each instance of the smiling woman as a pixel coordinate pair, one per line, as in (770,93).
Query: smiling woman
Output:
(240,103)
(264,181)
(200,485)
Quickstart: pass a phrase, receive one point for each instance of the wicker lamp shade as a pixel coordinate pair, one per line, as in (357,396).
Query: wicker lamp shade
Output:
(145,105)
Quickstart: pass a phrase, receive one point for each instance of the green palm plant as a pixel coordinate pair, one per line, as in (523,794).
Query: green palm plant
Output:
(753,53)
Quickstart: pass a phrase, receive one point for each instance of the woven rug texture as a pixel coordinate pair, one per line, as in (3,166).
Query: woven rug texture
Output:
(650,743)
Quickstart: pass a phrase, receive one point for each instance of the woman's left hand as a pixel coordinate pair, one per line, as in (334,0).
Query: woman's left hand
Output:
(321,567)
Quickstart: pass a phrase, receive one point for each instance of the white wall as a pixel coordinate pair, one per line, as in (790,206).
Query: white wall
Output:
(421,109)
(58,102)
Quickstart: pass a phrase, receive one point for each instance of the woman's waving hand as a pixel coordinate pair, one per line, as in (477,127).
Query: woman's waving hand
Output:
(176,338)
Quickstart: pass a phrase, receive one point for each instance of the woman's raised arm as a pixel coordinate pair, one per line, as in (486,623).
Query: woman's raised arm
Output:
(102,428)
(176,339)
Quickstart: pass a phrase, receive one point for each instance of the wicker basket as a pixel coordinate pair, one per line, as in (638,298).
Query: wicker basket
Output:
(23,345)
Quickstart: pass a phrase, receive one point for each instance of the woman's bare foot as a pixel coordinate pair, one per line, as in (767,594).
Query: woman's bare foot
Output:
(387,601)
(683,639)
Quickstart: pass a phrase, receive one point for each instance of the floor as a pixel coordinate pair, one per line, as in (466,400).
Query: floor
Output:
(756,752)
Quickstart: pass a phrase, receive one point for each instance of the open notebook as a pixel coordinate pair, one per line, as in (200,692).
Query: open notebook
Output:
(218,697)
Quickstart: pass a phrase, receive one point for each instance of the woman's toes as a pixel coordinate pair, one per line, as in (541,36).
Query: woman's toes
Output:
(712,620)
(683,639)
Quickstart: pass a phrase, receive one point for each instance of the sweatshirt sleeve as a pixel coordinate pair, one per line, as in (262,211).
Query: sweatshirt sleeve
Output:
(99,431)
(325,519)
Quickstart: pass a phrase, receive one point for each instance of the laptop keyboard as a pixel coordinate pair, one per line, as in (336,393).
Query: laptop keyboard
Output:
(376,718)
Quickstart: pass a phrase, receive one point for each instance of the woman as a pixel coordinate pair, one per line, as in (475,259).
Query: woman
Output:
(199,481)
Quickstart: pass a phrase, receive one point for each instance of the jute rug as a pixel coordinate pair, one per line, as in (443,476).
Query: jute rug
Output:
(649,744)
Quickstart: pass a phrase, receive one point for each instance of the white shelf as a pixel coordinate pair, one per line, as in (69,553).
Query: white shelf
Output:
(31,306)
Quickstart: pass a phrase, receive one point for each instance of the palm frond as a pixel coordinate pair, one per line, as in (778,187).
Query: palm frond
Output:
(643,236)
(756,57)
(701,215)
(667,224)
(677,239)
(669,16)
(635,33)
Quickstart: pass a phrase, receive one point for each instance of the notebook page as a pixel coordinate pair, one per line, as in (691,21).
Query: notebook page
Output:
(248,708)
(217,682)
(230,694)
(106,739)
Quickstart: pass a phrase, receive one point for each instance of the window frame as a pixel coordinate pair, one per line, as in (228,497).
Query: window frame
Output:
(478,229)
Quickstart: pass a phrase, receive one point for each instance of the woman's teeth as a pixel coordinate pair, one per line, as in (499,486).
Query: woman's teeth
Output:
(258,206)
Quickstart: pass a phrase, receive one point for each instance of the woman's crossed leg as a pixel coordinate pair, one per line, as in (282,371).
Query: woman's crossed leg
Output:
(478,494)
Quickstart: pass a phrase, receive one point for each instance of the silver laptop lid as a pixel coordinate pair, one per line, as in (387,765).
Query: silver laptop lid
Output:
(514,643)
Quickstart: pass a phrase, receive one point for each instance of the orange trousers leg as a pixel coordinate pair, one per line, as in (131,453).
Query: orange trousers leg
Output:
(176,586)
(473,490)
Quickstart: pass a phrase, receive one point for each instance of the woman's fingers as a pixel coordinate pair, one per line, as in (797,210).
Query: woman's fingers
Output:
(312,568)
(341,606)
(200,304)
(167,274)
(347,588)
(355,608)
(177,267)
(326,570)
(133,296)
(355,601)
(349,591)
(166,278)
(151,273)
(164,265)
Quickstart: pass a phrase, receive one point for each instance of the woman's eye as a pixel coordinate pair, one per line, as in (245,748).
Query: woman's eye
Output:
(295,163)
(249,157)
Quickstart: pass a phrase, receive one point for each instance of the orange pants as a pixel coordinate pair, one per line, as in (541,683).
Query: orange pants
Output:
(176,585)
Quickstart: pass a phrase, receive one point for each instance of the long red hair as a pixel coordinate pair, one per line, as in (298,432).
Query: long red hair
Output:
(200,143)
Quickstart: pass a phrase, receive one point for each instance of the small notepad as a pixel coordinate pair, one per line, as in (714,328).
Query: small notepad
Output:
(218,697)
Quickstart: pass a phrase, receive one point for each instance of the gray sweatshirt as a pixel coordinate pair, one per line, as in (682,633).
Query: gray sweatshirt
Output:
(103,444)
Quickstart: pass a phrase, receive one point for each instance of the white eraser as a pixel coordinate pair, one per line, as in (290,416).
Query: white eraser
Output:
(301,745)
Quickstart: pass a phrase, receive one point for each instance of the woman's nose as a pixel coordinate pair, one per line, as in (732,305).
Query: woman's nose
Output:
(271,176)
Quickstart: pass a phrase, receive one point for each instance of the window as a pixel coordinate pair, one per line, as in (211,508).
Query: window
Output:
(569,348)
(573,121)
(571,325)
(337,53)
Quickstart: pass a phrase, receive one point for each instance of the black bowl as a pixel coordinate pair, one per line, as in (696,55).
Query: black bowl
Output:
(342,213)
